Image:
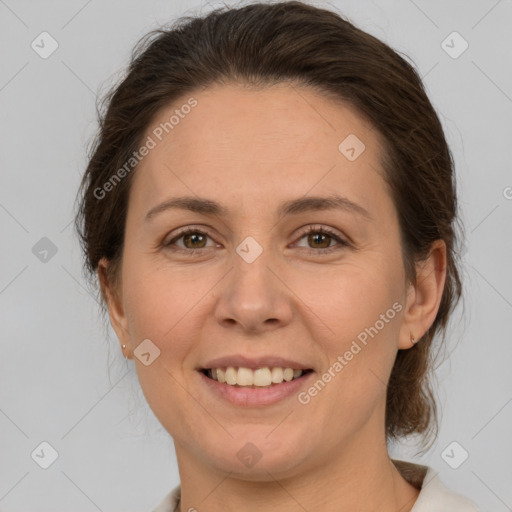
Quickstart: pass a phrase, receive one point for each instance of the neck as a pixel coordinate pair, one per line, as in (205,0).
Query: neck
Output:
(357,476)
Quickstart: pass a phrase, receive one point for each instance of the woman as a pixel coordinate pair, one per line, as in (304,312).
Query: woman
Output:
(282,369)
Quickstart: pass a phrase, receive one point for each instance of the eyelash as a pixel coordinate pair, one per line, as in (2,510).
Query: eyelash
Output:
(312,229)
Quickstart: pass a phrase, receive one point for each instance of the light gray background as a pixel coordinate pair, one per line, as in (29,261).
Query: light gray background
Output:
(64,382)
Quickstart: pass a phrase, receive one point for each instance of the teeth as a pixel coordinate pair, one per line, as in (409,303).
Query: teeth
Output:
(277,375)
(261,377)
(231,376)
(244,377)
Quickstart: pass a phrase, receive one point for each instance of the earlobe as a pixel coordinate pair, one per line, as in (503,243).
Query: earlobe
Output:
(113,299)
(424,297)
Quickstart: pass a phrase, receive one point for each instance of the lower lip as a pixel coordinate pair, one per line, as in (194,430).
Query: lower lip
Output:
(252,397)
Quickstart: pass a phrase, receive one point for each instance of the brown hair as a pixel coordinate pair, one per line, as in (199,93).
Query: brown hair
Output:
(262,44)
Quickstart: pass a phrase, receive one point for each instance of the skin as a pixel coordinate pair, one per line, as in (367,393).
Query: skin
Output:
(251,149)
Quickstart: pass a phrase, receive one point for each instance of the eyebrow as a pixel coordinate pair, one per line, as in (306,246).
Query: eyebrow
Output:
(292,207)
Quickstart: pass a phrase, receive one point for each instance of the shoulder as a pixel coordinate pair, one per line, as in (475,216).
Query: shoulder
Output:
(434,496)
(170,502)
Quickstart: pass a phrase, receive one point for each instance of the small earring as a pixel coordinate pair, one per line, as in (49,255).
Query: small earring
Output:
(413,341)
(124,346)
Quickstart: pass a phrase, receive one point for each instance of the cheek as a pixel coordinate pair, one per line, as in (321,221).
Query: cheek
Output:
(362,310)
(158,302)
(160,309)
(353,297)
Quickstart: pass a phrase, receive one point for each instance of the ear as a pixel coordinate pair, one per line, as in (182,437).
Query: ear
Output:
(424,297)
(113,297)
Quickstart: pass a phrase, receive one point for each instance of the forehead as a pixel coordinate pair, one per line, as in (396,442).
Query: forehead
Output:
(240,141)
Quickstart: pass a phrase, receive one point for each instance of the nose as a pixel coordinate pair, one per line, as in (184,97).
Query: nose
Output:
(254,297)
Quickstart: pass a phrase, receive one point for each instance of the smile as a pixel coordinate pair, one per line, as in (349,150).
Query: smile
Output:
(247,377)
(258,387)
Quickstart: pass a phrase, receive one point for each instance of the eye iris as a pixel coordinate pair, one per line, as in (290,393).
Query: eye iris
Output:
(316,237)
(194,237)
(312,238)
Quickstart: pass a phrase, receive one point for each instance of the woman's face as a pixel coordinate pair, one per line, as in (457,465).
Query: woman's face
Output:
(251,288)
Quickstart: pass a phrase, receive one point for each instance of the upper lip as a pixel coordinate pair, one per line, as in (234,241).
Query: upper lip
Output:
(254,362)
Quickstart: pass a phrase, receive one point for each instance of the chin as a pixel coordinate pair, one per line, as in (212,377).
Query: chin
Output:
(258,454)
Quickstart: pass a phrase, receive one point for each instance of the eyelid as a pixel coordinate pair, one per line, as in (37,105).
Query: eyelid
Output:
(334,234)
(185,231)
(311,228)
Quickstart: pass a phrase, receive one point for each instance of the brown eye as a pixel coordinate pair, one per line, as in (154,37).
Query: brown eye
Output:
(319,240)
(196,240)
(193,239)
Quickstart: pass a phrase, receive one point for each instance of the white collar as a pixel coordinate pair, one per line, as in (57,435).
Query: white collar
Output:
(434,496)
